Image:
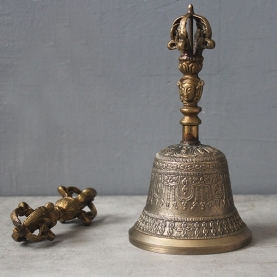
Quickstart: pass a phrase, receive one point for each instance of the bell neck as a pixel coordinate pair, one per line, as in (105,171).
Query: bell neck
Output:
(190,135)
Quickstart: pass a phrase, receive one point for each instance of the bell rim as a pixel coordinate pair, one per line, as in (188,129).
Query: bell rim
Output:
(190,246)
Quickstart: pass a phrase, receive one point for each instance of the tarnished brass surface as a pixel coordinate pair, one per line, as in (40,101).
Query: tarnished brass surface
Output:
(189,247)
(190,207)
(45,217)
(190,64)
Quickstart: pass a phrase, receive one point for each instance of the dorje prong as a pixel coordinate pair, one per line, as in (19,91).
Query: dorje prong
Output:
(45,217)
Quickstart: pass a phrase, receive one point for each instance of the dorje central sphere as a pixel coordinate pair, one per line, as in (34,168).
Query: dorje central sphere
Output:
(190,207)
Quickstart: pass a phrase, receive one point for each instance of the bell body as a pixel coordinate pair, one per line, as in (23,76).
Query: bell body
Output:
(190,207)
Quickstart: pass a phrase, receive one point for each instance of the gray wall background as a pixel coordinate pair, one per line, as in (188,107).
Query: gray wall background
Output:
(88,92)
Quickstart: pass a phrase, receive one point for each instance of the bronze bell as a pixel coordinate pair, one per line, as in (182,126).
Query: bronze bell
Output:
(190,207)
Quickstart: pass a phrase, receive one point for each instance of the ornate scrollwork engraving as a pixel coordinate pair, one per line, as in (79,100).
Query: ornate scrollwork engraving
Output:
(190,177)
(190,228)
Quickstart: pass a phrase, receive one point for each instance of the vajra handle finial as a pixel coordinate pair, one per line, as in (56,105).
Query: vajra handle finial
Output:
(190,64)
(45,217)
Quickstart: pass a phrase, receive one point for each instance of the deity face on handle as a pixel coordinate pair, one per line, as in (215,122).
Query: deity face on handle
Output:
(187,90)
(190,90)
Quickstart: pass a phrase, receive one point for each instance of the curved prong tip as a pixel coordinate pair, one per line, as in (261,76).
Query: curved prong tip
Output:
(190,8)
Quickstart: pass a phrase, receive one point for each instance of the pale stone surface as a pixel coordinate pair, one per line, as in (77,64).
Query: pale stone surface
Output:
(103,249)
